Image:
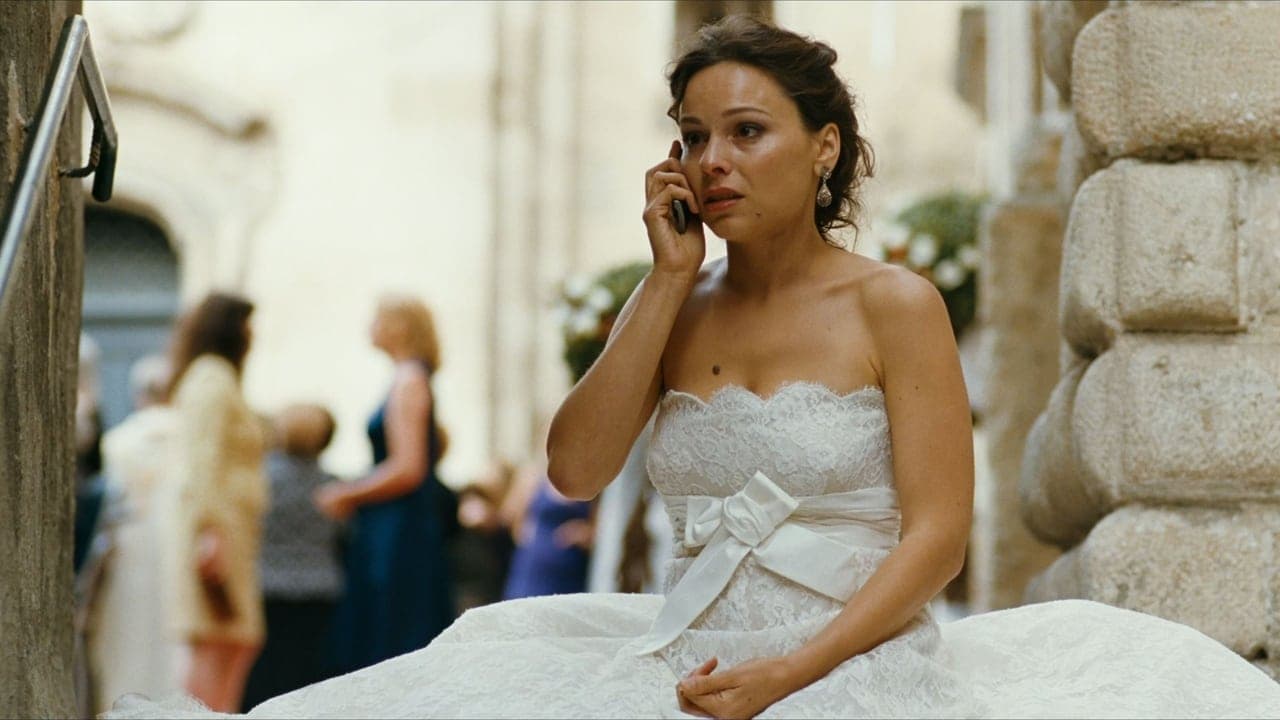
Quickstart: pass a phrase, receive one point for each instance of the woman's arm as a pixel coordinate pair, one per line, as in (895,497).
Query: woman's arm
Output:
(516,503)
(931,434)
(602,416)
(594,429)
(205,403)
(406,464)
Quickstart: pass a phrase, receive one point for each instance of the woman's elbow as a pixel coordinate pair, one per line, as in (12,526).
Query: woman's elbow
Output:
(955,564)
(945,551)
(407,476)
(569,482)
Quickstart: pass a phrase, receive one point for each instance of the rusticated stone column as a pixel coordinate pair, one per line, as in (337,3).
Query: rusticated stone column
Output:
(1021,242)
(1157,462)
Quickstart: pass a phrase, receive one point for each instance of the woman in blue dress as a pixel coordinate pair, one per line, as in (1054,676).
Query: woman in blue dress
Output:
(553,540)
(398,593)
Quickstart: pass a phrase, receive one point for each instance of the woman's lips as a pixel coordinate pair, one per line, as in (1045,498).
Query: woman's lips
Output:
(720,204)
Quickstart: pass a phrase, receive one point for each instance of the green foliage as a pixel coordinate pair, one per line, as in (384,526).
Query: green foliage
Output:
(588,319)
(937,238)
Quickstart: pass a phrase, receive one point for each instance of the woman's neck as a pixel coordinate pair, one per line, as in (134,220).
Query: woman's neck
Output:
(761,266)
(399,356)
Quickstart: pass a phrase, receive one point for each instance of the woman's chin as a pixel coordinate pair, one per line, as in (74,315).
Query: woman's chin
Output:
(730,229)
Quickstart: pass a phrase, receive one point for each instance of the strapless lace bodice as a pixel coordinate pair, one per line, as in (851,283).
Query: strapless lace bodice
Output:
(805,437)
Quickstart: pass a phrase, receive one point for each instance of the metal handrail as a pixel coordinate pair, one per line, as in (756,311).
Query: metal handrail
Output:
(74,56)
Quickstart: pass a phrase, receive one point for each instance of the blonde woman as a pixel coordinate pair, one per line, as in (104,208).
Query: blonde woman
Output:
(398,594)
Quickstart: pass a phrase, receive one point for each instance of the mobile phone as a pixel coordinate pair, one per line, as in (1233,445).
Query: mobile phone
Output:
(681,215)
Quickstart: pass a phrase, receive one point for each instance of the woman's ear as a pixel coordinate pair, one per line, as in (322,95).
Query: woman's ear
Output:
(828,141)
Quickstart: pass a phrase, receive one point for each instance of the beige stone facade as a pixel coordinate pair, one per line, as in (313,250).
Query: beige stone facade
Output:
(1157,461)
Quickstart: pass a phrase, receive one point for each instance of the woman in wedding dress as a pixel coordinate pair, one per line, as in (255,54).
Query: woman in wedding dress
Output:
(813,448)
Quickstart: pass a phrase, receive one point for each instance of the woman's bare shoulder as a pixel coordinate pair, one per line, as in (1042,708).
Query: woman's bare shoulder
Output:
(410,376)
(889,293)
(903,311)
(207,375)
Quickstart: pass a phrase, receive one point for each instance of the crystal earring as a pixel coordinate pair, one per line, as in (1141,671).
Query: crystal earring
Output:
(824,192)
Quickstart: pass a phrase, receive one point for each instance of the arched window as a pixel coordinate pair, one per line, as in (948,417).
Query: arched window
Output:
(130,299)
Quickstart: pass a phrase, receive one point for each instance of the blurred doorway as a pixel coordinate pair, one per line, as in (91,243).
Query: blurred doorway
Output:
(130,299)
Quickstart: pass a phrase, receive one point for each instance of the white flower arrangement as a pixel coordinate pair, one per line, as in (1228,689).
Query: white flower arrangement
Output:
(936,238)
(582,307)
(586,309)
(922,251)
(925,254)
(576,287)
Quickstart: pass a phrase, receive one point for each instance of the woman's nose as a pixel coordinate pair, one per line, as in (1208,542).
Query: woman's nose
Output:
(715,158)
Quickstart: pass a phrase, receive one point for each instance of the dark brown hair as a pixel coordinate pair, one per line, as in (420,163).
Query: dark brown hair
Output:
(805,70)
(215,326)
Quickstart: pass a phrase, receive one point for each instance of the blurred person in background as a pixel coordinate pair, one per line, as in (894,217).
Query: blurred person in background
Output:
(398,593)
(300,571)
(553,537)
(481,553)
(88,428)
(89,492)
(213,508)
(129,650)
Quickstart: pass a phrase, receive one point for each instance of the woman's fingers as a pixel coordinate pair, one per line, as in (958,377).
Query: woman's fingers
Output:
(662,199)
(667,165)
(675,179)
(688,706)
(708,684)
(705,668)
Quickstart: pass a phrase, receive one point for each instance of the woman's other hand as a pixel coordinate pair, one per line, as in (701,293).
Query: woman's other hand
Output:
(743,691)
(577,533)
(332,501)
(676,254)
(211,555)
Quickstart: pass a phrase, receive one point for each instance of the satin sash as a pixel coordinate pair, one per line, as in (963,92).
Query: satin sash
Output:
(807,540)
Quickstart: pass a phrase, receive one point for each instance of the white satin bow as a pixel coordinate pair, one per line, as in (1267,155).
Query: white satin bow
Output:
(808,541)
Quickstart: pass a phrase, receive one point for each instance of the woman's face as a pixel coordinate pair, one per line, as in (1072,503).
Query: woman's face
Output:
(747,153)
(384,332)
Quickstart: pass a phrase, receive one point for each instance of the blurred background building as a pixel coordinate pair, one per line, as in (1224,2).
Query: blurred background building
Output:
(315,155)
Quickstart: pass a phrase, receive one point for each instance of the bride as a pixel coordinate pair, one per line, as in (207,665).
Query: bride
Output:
(813,448)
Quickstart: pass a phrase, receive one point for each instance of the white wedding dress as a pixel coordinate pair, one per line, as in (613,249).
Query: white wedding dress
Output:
(781,508)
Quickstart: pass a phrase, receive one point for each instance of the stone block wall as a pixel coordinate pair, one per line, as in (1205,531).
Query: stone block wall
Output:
(1021,242)
(1156,464)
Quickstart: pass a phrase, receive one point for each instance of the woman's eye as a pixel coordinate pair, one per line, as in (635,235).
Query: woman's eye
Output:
(749,131)
(692,138)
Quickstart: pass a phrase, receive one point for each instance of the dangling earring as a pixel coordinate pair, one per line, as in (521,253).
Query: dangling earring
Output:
(824,192)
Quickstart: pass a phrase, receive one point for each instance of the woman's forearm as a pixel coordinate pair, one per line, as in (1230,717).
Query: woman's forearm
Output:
(600,419)
(917,570)
(388,481)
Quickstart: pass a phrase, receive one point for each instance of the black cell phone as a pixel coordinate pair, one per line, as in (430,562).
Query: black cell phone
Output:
(681,215)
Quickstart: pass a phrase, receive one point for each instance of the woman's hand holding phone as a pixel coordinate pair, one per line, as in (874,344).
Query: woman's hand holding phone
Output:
(679,254)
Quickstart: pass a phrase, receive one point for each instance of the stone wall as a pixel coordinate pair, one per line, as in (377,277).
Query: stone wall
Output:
(1157,461)
(39,332)
(1021,242)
